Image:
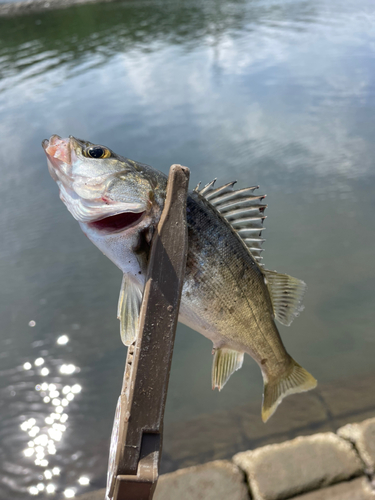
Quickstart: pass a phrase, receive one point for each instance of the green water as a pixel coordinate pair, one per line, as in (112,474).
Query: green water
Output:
(275,93)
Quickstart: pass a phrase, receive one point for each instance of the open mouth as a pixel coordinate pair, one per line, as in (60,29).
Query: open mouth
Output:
(116,223)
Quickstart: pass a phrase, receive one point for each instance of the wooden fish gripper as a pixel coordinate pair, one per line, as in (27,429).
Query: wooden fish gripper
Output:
(136,442)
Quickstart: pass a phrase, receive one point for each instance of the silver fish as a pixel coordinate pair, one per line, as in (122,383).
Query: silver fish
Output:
(227,295)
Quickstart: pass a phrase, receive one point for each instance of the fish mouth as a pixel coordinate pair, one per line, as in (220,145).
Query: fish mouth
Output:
(117,223)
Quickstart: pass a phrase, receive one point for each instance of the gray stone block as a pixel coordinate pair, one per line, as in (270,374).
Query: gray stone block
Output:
(280,471)
(363,437)
(219,480)
(358,489)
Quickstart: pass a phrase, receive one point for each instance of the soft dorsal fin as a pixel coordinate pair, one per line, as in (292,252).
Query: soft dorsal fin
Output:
(286,294)
(129,305)
(226,362)
(242,209)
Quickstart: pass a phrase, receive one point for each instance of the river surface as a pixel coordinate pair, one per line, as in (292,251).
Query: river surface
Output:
(279,93)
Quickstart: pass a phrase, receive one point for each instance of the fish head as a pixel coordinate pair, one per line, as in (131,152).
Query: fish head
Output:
(117,201)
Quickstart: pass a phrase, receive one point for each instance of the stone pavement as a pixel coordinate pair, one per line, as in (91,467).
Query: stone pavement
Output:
(363,438)
(324,466)
(304,464)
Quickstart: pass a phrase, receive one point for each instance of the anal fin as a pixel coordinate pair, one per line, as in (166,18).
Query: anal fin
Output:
(129,305)
(226,362)
(286,295)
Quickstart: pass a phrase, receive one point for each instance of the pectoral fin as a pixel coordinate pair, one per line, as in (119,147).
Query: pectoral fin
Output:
(286,294)
(226,362)
(129,305)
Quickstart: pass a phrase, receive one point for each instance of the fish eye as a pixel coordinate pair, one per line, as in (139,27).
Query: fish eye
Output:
(97,152)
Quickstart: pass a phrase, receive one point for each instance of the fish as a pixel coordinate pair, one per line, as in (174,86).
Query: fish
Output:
(228,296)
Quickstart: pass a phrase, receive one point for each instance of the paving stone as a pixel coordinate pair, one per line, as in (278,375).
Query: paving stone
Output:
(363,437)
(358,489)
(280,471)
(219,480)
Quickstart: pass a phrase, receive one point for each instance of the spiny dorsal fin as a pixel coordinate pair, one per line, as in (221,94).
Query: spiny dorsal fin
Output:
(242,209)
(226,362)
(207,187)
(286,294)
(129,305)
(213,193)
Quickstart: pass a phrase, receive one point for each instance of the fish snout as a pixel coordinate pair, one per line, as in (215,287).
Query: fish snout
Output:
(58,153)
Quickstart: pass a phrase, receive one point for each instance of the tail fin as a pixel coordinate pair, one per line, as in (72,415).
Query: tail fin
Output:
(296,379)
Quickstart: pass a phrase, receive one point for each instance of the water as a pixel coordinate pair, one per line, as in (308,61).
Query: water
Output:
(276,93)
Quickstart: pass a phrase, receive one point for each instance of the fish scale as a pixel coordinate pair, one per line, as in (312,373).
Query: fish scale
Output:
(230,280)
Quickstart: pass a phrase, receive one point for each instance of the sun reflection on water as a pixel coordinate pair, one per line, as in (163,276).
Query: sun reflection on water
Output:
(62,340)
(47,432)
